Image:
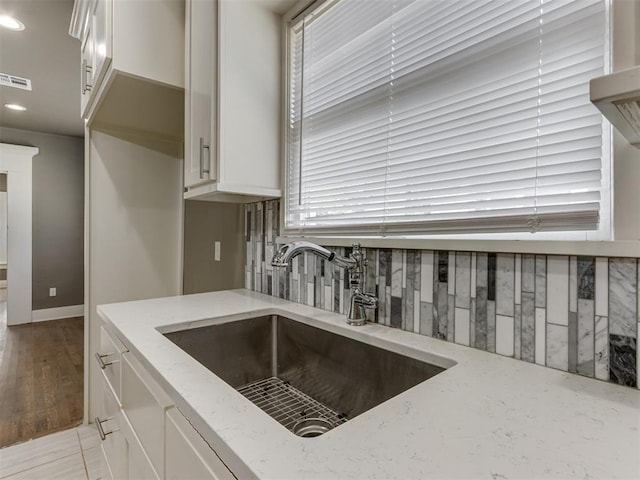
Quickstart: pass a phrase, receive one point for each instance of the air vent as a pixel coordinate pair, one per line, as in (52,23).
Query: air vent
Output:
(15,82)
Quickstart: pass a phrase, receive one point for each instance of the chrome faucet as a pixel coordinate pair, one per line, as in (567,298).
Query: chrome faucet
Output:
(355,264)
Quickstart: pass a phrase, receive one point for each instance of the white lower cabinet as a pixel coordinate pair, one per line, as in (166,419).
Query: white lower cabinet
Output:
(189,457)
(139,465)
(144,437)
(124,456)
(145,404)
(114,444)
(109,358)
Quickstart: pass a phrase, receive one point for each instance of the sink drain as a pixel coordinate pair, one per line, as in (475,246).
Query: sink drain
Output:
(311,427)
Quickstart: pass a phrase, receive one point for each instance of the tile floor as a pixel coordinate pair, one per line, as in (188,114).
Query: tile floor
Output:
(72,454)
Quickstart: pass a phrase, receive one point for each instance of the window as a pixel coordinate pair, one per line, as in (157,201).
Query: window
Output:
(436,116)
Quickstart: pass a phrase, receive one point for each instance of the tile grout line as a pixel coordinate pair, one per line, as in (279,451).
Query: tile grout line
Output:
(84,460)
(37,466)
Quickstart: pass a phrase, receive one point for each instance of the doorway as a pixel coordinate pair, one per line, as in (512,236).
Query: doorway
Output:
(41,363)
(3,240)
(16,161)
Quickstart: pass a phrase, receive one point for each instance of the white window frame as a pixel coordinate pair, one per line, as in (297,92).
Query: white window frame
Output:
(604,233)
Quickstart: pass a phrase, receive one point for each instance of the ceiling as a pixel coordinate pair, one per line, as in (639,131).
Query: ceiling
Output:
(45,53)
(280,6)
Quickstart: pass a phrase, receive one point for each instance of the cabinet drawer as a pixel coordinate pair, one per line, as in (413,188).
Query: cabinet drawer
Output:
(123,454)
(114,445)
(139,465)
(145,405)
(188,455)
(105,471)
(109,358)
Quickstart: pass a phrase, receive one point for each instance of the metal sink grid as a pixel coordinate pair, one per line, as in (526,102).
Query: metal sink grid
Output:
(287,404)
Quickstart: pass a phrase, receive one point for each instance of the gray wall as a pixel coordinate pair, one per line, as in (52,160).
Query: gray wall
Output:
(204,224)
(3,188)
(58,216)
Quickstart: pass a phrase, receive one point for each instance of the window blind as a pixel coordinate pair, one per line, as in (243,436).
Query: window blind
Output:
(445,117)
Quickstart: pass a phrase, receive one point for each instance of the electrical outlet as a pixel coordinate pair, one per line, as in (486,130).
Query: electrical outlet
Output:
(52,292)
(216,251)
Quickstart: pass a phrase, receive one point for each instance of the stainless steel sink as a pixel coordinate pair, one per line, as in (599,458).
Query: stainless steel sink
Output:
(308,379)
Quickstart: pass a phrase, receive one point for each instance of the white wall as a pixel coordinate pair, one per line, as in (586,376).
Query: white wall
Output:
(3,227)
(58,259)
(626,163)
(134,240)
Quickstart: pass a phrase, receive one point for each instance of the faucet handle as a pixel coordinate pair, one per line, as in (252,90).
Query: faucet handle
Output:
(358,255)
(278,259)
(367,300)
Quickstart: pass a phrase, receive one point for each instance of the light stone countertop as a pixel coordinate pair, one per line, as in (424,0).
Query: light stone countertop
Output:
(487,417)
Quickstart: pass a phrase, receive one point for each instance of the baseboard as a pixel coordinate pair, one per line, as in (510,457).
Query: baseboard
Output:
(57,313)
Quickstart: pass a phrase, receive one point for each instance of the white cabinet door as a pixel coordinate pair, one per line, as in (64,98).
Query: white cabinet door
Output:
(124,455)
(114,443)
(109,358)
(188,455)
(232,105)
(200,104)
(249,99)
(145,404)
(96,51)
(139,465)
(86,79)
(101,32)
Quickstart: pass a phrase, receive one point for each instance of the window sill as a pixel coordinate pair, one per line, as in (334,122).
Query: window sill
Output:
(545,247)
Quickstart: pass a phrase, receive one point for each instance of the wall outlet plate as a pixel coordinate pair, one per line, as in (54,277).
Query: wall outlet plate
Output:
(216,251)
(52,292)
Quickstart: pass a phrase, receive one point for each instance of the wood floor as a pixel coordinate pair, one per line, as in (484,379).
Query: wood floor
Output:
(41,378)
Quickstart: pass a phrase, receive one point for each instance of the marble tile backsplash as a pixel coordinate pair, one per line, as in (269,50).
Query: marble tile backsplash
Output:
(573,313)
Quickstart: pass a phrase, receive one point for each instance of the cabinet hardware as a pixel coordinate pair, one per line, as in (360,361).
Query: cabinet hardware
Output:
(204,146)
(101,362)
(86,69)
(101,432)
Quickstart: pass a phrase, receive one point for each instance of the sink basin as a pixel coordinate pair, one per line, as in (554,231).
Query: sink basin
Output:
(308,379)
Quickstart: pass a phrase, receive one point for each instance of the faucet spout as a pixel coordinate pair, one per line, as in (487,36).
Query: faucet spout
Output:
(286,252)
(355,264)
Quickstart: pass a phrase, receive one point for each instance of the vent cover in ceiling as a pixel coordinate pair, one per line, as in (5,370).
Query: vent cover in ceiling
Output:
(16,82)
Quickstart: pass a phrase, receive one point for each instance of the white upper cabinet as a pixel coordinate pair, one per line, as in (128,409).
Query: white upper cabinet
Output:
(148,39)
(132,66)
(96,50)
(200,98)
(233,101)
(86,70)
(101,27)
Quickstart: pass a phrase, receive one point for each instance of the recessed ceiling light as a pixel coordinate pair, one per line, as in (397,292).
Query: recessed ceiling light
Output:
(15,106)
(11,23)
